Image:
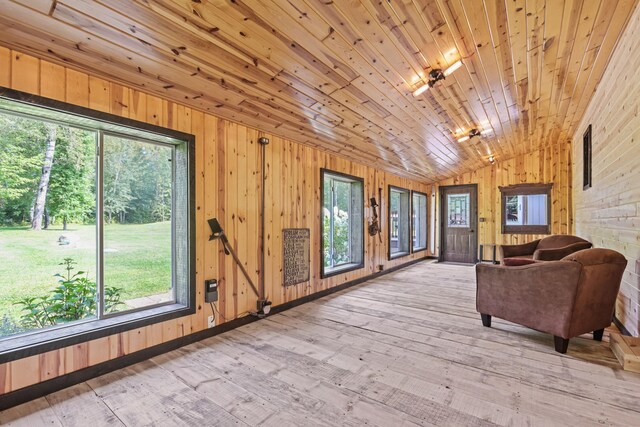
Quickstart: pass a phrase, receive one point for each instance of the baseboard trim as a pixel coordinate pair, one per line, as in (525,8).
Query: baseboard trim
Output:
(620,326)
(41,389)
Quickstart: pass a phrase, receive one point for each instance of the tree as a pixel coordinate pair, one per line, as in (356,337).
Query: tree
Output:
(43,187)
(119,175)
(21,151)
(72,185)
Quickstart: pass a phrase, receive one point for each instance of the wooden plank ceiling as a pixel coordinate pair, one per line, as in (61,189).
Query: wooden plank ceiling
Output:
(339,74)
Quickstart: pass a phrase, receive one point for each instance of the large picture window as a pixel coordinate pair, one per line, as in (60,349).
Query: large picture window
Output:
(96,223)
(419,221)
(399,212)
(526,208)
(342,223)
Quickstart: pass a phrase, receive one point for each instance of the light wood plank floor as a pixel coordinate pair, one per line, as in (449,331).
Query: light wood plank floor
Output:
(405,349)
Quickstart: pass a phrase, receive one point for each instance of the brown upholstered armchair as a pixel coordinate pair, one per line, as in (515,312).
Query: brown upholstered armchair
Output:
(551,248)
(565,298)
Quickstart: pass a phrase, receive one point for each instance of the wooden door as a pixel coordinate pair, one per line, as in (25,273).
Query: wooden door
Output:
(459,223)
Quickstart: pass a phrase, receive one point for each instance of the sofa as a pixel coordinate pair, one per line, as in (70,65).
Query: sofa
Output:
(565,298)
(550,248)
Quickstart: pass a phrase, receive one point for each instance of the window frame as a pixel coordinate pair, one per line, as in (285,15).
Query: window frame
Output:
(392,256)
(426,228)
(586,159)
(344,267)
(525,190)
(60,336)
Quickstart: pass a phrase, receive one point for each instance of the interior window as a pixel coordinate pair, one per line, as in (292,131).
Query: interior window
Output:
(526,208)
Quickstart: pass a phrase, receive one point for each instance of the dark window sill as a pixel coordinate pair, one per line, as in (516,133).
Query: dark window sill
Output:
(37,342)
(398,255)
(333,271)
(420,249)
(526,229)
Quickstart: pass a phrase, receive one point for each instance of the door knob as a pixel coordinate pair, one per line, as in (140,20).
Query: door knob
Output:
(470,231)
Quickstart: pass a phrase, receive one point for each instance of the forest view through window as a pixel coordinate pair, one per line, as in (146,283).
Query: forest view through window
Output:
(86,223)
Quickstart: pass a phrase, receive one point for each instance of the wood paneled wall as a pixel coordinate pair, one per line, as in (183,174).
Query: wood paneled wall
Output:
(551,164)
(608,213)
(227,187)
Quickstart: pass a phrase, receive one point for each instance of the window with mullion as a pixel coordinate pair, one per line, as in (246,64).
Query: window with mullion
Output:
(526,208)
(98,213)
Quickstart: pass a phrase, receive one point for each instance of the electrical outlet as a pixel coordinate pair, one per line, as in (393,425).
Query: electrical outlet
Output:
(211,321)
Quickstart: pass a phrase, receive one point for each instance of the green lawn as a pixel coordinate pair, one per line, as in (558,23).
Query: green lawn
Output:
(137,259)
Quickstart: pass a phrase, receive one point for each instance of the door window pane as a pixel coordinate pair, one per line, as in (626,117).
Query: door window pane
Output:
(458,210)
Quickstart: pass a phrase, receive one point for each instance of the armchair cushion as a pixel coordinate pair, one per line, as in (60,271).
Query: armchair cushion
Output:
(559,253)
(509,251)
(516,262)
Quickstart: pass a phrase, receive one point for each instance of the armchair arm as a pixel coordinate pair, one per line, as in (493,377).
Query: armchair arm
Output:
(540,296)
(559,253)
(507,251)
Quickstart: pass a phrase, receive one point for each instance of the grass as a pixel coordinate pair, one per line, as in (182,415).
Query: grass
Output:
(137,259)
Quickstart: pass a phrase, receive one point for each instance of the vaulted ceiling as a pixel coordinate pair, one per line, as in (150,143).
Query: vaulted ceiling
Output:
(339,74)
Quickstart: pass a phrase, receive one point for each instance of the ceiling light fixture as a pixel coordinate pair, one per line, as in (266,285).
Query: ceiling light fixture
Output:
(474,132)
(492,159)
(436,75)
